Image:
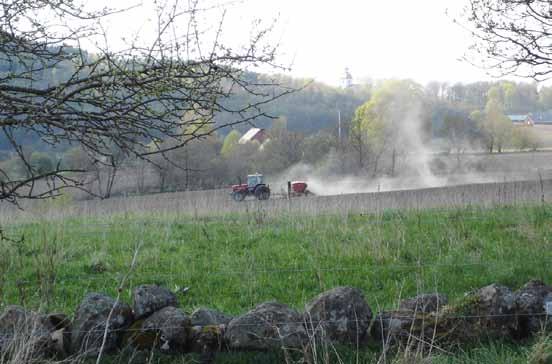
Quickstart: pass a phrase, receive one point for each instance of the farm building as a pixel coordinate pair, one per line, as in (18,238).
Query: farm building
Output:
(252,134)
(522,120)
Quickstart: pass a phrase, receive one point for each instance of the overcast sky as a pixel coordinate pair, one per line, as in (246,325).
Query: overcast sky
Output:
(373,38)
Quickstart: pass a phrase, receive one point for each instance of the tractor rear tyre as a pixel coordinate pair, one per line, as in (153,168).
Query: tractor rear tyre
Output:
(262,193)
(238,196)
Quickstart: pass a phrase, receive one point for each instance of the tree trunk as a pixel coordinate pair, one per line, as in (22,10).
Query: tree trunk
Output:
(162,177)
(187,171)
(110,180)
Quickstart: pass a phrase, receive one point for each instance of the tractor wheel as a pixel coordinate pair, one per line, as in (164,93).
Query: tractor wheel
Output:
(262,193)
(238,196)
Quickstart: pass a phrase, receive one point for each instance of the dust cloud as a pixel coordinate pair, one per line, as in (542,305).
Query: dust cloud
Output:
(418,165)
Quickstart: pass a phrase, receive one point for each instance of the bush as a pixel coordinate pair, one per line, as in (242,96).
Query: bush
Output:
(524,138)
(41,163)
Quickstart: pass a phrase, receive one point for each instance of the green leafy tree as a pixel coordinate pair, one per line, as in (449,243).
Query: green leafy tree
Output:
(525,137)
(388,122)
(42,163)
(230,143)
(456,130)
(496,126)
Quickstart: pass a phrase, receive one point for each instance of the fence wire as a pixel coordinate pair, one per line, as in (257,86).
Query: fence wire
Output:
(314,323)
(153,275)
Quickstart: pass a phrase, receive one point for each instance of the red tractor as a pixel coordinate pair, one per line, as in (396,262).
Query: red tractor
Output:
(254,187)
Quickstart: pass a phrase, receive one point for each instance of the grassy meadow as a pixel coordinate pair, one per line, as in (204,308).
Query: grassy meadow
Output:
(234,262)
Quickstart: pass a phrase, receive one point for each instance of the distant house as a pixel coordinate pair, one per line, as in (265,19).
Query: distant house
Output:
(252,134)
(522,120)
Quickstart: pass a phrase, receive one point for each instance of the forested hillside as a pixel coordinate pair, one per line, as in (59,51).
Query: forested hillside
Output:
(316,106)
(313,107)
(383,123)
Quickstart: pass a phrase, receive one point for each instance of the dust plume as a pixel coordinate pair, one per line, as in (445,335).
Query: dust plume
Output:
(409,162)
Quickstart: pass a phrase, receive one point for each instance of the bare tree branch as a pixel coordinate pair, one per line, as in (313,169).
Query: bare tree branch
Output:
(512,37)
(122,100)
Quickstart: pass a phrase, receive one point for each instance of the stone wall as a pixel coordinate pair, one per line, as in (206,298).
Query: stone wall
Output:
(339,316)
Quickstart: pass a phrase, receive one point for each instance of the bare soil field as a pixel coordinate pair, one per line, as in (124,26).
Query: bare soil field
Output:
(544,133)
(482,180)
(220,203)
(509,163)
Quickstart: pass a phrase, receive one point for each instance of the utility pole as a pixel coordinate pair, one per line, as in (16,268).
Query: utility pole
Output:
(339,126)
(347,82)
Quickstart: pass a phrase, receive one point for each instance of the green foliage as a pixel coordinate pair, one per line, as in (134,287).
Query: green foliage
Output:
(477,115)
(388,120)
(458,130)
(394,103)
(541,352)
(524,137)
(495,124)
(233,263)
(42,162)
(230,143)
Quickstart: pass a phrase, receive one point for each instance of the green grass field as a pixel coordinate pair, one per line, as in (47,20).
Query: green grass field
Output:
(233,263)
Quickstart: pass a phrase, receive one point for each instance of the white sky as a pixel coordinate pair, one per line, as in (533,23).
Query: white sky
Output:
(374,38)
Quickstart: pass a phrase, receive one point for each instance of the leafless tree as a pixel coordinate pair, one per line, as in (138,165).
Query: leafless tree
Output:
(513,36)
(131,99)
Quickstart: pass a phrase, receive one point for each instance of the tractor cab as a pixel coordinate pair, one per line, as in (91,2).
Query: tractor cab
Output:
(255,187)
(254,180)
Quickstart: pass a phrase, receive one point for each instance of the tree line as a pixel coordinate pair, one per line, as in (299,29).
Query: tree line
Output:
(384,136)
(172,106)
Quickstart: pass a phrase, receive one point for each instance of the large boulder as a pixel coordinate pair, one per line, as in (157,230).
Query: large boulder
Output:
(91,321)
(208,317)
(533,305)
(269,326)
(427,302)
(167,330)
(392,327)
(22,328)
(341,315)
(149,298)
(207,340)
(207,334)
(490,310)
(416,317)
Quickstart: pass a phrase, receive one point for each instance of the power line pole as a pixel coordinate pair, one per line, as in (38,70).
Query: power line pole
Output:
(339,127)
